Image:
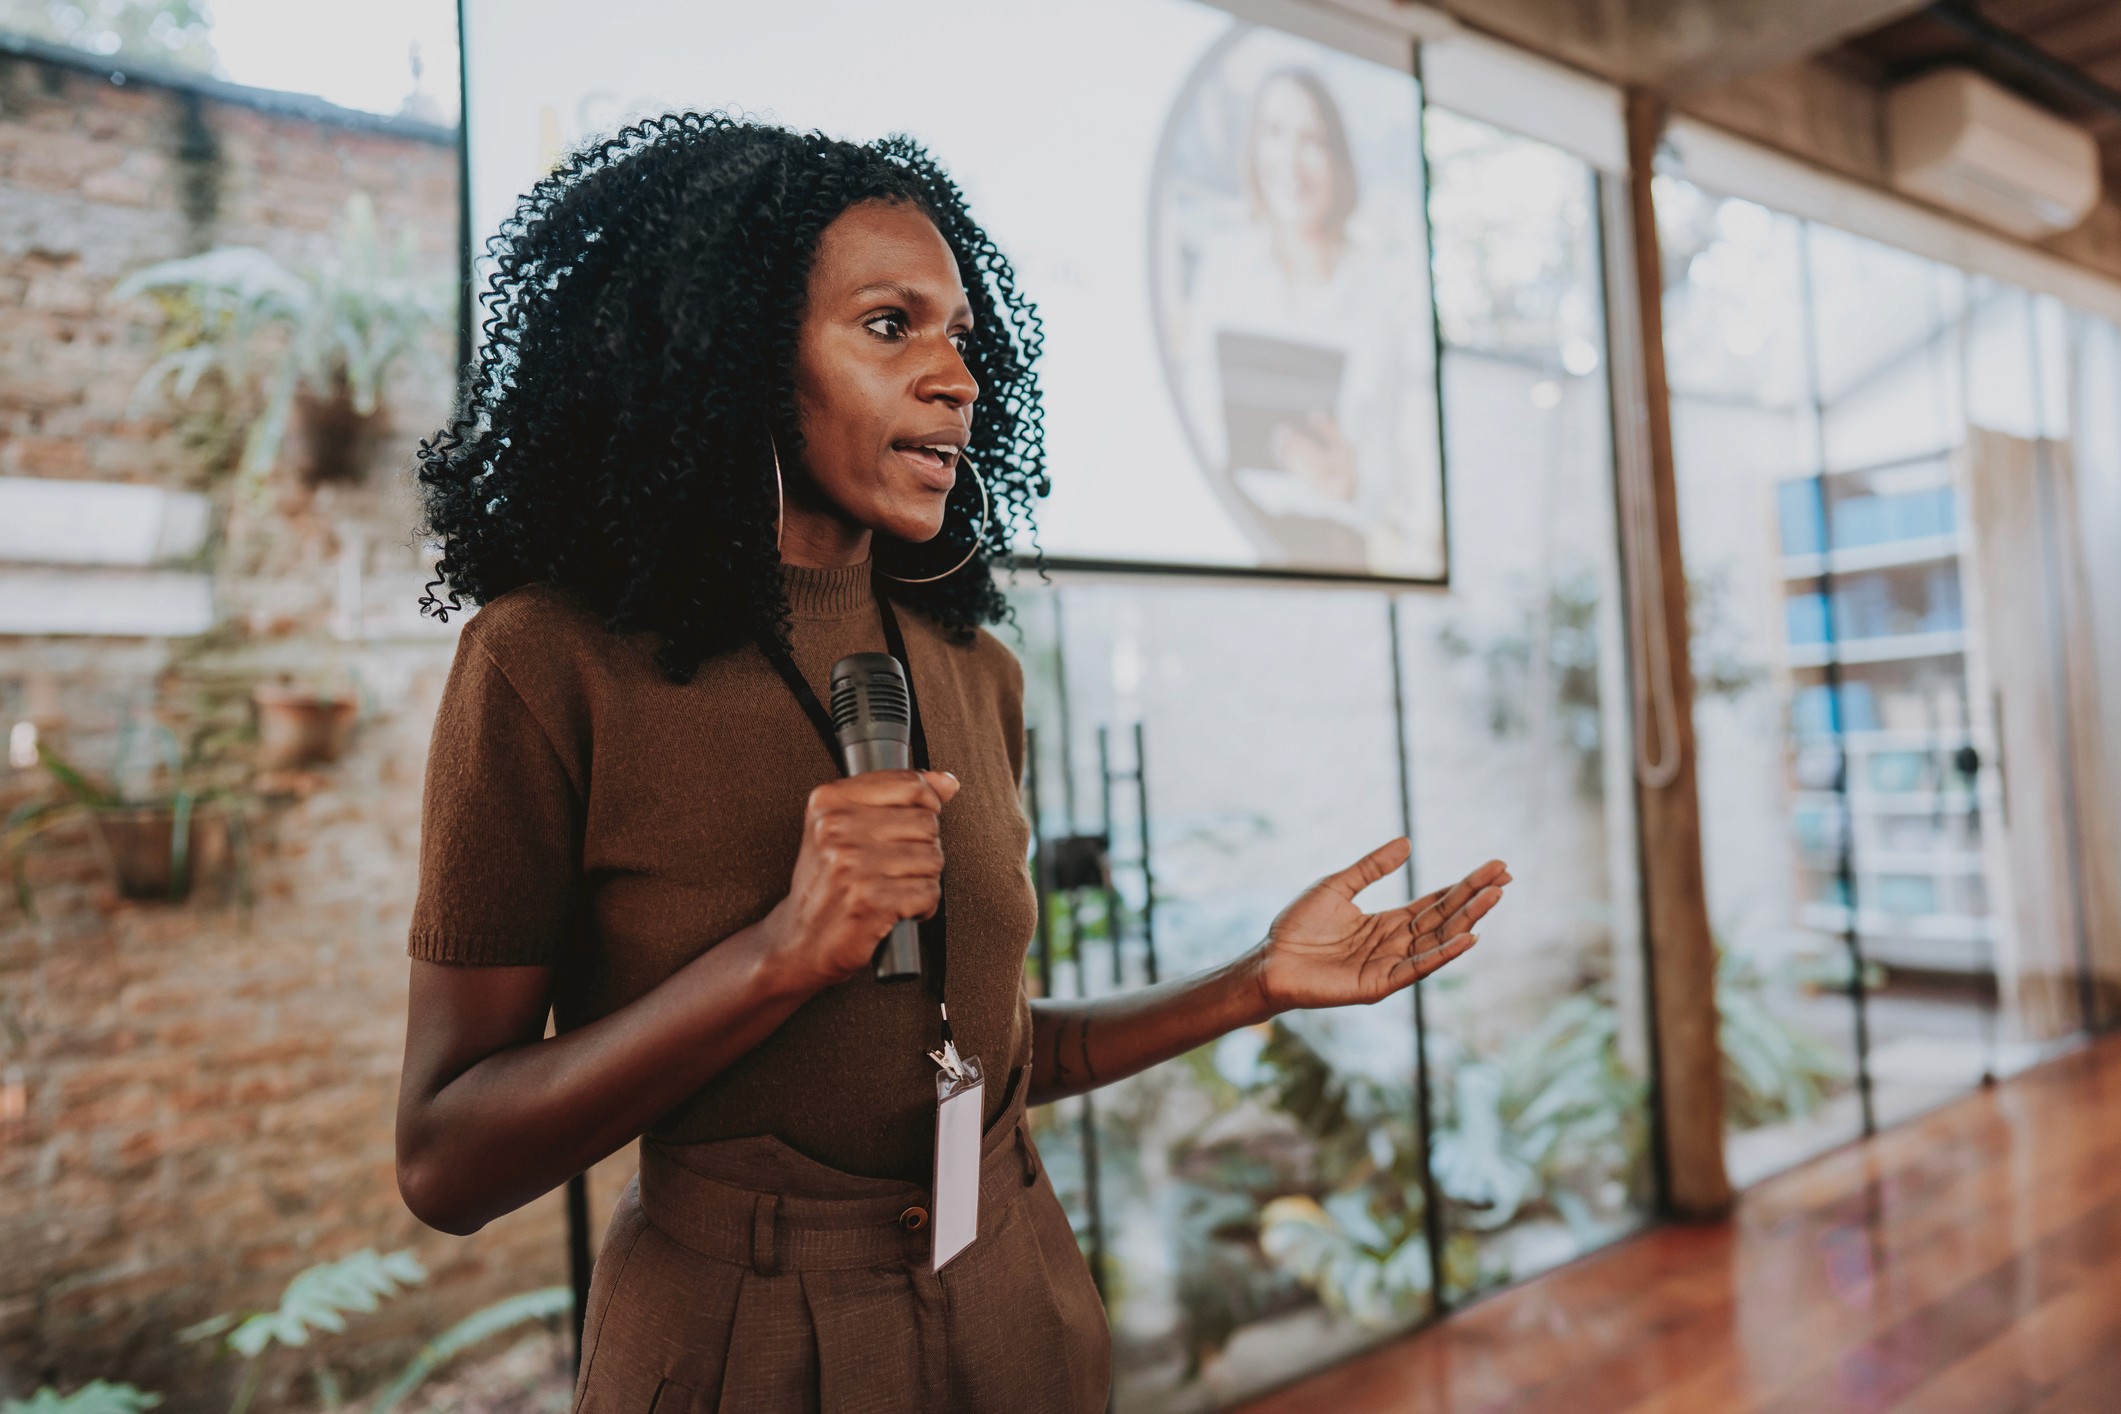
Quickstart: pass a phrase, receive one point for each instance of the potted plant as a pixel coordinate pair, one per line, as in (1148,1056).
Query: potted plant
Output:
(313,346)
(303,725)
(155,843)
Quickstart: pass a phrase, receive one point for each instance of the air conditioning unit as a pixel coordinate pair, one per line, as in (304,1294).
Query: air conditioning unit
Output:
(1962,141)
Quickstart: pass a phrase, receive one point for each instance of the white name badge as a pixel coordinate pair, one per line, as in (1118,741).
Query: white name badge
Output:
(959,1101)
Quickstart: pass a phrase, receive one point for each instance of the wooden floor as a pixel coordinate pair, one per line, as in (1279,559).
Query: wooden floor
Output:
(1966,1263)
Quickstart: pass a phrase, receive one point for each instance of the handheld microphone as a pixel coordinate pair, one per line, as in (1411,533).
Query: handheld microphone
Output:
(873,718)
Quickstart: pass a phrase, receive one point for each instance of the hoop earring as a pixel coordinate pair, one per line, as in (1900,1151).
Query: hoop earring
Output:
(780,495)
(985,508)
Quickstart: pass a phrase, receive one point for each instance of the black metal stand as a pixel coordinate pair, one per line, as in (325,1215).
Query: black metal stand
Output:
(1845,845)
(579,1260)
(1138,861)
(1067,869)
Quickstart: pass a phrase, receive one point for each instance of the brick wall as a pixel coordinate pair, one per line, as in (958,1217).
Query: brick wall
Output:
(205,1089)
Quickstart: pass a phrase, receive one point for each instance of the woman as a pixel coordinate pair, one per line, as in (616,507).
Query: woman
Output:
(729,393)
(1308,361)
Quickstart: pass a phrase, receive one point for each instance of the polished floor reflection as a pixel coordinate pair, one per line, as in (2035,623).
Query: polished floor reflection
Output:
(1966,1263)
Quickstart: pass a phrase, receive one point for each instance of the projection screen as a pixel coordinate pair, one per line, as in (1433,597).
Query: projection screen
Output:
(1222,222)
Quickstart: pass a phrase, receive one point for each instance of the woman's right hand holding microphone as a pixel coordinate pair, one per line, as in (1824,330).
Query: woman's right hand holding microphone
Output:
(872,854)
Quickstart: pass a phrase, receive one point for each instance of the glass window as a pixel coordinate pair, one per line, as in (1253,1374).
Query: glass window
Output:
(1516,702)
(1744,434)
(1258,1205)
(2029,643)
(1260,1208)
(1734,338)
(1876,605)
(1885,326)
(2093,470)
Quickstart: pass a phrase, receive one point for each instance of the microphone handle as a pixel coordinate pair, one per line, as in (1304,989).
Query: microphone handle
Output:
(898,956)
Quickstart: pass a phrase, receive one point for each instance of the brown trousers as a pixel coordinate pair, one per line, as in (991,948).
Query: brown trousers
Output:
(740,1275)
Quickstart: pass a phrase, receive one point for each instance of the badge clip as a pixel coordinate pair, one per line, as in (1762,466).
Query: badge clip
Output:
(952,1064)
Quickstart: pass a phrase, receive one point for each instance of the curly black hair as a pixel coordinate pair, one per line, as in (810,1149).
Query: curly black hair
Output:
(615,435)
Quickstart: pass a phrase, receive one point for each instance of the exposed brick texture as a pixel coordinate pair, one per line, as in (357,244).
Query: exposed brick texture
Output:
(208,1089)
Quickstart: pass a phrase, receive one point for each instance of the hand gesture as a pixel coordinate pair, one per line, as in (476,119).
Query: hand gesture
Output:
(1320,453)
(1325,951)
(872,854)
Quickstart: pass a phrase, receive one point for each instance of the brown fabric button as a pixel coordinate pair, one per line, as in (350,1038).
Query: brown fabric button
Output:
(913,1219)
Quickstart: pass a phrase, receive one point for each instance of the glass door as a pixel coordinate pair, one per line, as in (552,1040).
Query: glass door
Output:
(1873,452)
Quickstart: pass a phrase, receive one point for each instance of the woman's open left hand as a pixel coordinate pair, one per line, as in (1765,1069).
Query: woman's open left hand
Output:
(1325,951)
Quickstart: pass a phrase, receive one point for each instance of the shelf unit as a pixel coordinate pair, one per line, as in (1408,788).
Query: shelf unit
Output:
(1894,631)
(1885,648)
(1921,550)
(1863,802)
(1939,863)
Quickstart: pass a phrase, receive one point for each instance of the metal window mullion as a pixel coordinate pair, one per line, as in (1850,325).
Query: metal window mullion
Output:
(1845,856)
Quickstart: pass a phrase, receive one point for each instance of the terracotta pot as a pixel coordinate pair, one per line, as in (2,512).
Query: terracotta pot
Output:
(297,728)
(136,846)
(332,442)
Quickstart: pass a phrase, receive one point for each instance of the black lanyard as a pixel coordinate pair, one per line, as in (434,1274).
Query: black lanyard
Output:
(934,931)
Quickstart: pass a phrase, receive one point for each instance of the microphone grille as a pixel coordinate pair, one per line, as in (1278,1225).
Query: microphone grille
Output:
(882,694)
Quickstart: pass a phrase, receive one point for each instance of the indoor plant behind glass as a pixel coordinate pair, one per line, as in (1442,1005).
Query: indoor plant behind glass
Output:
(313,347)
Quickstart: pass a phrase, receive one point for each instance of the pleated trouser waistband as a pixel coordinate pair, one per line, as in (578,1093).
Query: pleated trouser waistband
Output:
(779,1232)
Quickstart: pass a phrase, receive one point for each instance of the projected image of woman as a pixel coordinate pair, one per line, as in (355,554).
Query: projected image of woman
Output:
(752,401)
(1307,351)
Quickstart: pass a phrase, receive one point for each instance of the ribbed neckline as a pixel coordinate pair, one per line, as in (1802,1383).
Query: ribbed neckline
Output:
(835,593)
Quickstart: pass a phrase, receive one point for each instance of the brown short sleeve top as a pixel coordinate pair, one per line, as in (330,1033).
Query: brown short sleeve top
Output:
(584,813)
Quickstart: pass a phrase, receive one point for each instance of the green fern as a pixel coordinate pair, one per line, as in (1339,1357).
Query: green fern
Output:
(537,1305)
(95,1397)
(1374,1269)
(320,1298)
(1773,1068)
